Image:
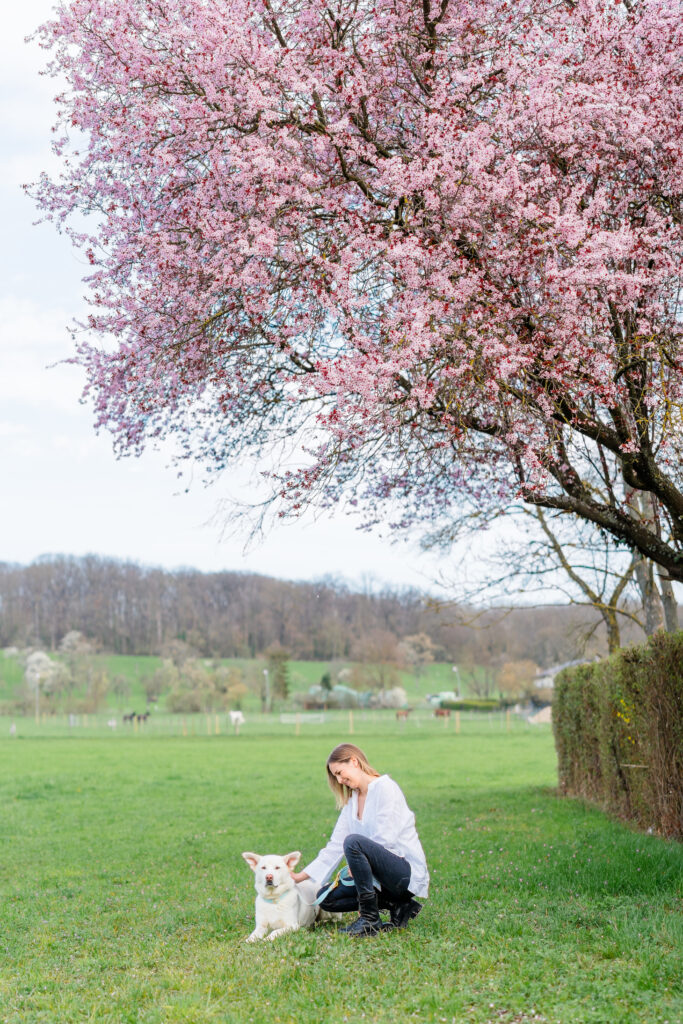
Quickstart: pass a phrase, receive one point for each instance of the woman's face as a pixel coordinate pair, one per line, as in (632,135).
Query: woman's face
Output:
(347,772)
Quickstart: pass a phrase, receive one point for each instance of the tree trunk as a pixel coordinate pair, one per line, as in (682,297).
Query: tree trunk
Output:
(609,616)
(652,603)
(669,603)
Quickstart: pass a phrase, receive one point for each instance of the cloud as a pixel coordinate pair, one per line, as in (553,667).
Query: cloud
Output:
(8,429)
(23,89)
(32,341)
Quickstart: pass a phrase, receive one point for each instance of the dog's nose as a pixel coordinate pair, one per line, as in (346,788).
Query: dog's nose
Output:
(269,879)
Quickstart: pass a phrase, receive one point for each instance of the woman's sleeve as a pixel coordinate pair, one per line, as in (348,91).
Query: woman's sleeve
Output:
(328,860)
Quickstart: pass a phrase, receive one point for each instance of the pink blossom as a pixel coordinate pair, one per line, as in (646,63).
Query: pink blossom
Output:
(440,240)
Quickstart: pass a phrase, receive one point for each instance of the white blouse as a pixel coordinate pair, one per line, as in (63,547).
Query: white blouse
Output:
(387,820)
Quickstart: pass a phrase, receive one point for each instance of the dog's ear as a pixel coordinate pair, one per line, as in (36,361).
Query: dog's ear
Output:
(292,859)
(252,859)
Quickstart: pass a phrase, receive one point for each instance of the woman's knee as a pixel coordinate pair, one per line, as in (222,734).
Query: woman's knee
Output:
(353,842)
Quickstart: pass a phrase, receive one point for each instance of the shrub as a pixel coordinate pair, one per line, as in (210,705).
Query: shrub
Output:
(472,704)
(618,728)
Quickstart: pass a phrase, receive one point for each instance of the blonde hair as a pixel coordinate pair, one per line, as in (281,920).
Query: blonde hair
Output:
(341,754)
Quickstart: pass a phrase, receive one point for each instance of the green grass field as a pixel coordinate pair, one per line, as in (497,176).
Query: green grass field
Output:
(125,898)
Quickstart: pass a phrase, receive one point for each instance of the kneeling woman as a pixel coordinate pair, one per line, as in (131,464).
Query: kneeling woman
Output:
(376,833)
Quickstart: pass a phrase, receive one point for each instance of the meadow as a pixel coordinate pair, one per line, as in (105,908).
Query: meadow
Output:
(125,898)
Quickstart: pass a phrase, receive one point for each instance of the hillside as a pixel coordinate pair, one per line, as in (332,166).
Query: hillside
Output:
(125,608)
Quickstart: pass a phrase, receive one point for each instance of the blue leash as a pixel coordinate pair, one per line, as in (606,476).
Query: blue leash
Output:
(342,878)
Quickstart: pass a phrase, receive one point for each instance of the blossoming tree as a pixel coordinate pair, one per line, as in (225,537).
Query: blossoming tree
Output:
(438,240)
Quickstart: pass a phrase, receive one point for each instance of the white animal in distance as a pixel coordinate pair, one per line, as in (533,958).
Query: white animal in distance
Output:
(282,905)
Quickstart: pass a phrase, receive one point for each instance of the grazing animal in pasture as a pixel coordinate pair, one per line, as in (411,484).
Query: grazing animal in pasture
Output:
(130,717)
(442,712)
(282,905)
(237,720)
(402,714)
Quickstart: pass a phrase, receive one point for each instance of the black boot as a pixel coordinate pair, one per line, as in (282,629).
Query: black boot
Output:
(401,913)
(369,922)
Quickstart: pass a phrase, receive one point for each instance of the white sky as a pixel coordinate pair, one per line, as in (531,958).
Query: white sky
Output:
(64,492)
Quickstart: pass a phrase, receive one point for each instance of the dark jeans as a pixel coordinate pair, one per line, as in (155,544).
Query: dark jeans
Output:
(367,859)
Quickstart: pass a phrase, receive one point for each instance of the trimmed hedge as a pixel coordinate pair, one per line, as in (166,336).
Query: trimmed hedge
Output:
(472,704)
(618,728)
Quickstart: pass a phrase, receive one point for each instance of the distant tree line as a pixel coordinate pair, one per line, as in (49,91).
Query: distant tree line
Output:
(126,608)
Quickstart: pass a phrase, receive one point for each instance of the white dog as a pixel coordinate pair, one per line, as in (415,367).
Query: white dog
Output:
(282,905)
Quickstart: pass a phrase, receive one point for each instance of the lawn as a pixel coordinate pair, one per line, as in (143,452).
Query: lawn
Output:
(125,898)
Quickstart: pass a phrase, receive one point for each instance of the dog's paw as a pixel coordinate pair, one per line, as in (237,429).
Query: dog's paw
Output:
(325,915)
